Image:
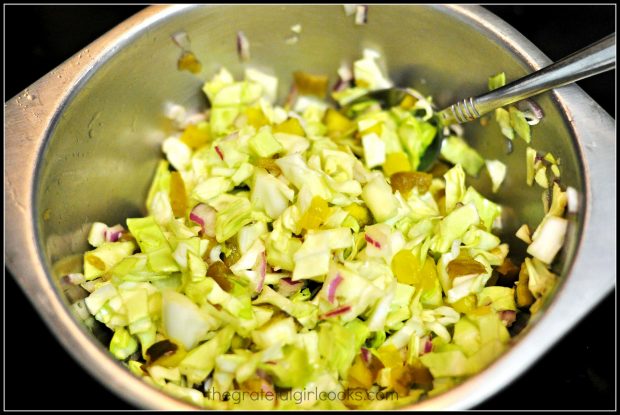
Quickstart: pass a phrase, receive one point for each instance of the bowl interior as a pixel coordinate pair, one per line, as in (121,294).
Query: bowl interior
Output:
(102,150)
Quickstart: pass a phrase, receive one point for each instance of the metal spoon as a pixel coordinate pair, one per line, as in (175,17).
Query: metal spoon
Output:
(591,60)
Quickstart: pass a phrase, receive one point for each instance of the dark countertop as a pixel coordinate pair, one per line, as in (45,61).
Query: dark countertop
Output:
(578,373)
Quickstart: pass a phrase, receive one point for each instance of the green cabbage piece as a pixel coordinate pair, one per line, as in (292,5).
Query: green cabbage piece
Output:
(270,194)
(231,219)
(455,225)
(457,151)
(123,344)
(98,261)
(520,124)
(292,370)
(263,144)
(199,362)
(415,137)
(377,195)
(337,347)
(497,172)
(502,117)
(497,81)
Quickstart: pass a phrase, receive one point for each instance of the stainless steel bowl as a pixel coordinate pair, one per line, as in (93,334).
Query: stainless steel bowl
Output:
(83,141)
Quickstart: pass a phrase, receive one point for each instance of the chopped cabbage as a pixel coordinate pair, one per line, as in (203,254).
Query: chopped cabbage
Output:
(304,251)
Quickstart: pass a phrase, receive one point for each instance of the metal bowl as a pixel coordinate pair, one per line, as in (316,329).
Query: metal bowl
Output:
(82,144)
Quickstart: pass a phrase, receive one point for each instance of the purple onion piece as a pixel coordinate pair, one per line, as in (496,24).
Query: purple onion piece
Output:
(204,216)
(371,241)
(365,355)
(114,233)
(508,317)
(333,286)
(262,271)
(287,287)
(336,312)
(532,112)
(73,279)
(243,47)
(291,98)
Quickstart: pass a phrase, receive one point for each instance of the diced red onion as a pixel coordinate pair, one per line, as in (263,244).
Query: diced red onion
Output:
(204,216)
(508,317)
(371,241)
(345,76)
(333,285)
(291,98)
(361,14)
(262,271)
(219,152)
(345,73)
(533,113)
(112,234)
(428,345)
(181,39)
(340,85)
(286,287)
(365,355)
(243,47)
(73,279)
(336,312)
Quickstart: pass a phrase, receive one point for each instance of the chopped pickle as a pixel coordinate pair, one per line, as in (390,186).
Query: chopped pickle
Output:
(196,135)
(439,169)
(316,214)
(337,124)
(406,180)
(466,304)
(269,165)
(524,296)
(407,268)
(481,311)
(404,377)
(360,213)
(189,62)
(166,353)
(309,84)
(464,265)
(390,356)
(429,274)
(178,196)
(400,380)
(219,271)
(508,268)
(408,102)
(234,255)
(396,163)
(290,126)
(375,128)
(256,117)
(420,374)
(360,376)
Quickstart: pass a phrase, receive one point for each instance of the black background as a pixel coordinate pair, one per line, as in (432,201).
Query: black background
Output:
(578,373)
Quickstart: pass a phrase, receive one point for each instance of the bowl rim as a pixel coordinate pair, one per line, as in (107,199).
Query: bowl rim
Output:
(26,261)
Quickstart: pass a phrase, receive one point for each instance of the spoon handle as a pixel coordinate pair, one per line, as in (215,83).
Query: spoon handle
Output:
(591,60)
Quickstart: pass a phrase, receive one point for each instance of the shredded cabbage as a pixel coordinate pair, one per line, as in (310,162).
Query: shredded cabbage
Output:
(271,259)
